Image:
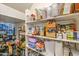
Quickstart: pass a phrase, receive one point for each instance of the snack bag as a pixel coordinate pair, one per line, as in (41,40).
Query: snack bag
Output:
(40,46)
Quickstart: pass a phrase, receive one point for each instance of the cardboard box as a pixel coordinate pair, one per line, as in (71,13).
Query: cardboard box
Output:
(52,34)
(50,29)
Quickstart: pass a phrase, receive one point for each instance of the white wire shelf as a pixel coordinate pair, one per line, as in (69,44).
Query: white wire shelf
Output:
(58,18)
(54,39)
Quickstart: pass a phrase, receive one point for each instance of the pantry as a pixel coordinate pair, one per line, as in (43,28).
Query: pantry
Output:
(9,34)
(39,29)
(53,30)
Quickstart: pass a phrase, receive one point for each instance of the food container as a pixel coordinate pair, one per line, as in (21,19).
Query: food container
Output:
(50,29)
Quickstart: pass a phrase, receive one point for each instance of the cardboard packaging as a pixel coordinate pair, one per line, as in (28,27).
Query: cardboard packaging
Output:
(50,48)
(50,29)
(76,7)
(36,31)
(59,48)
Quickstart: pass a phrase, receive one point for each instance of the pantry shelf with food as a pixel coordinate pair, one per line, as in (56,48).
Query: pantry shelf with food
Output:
(52,29)
(57,18)
(54,39)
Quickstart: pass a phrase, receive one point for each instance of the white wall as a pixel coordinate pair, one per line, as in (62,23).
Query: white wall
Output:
(8,11)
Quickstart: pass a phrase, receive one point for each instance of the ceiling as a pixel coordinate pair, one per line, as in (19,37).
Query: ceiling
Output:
(19,6)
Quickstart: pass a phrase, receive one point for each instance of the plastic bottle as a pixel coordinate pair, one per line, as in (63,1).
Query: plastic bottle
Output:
(59,35)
